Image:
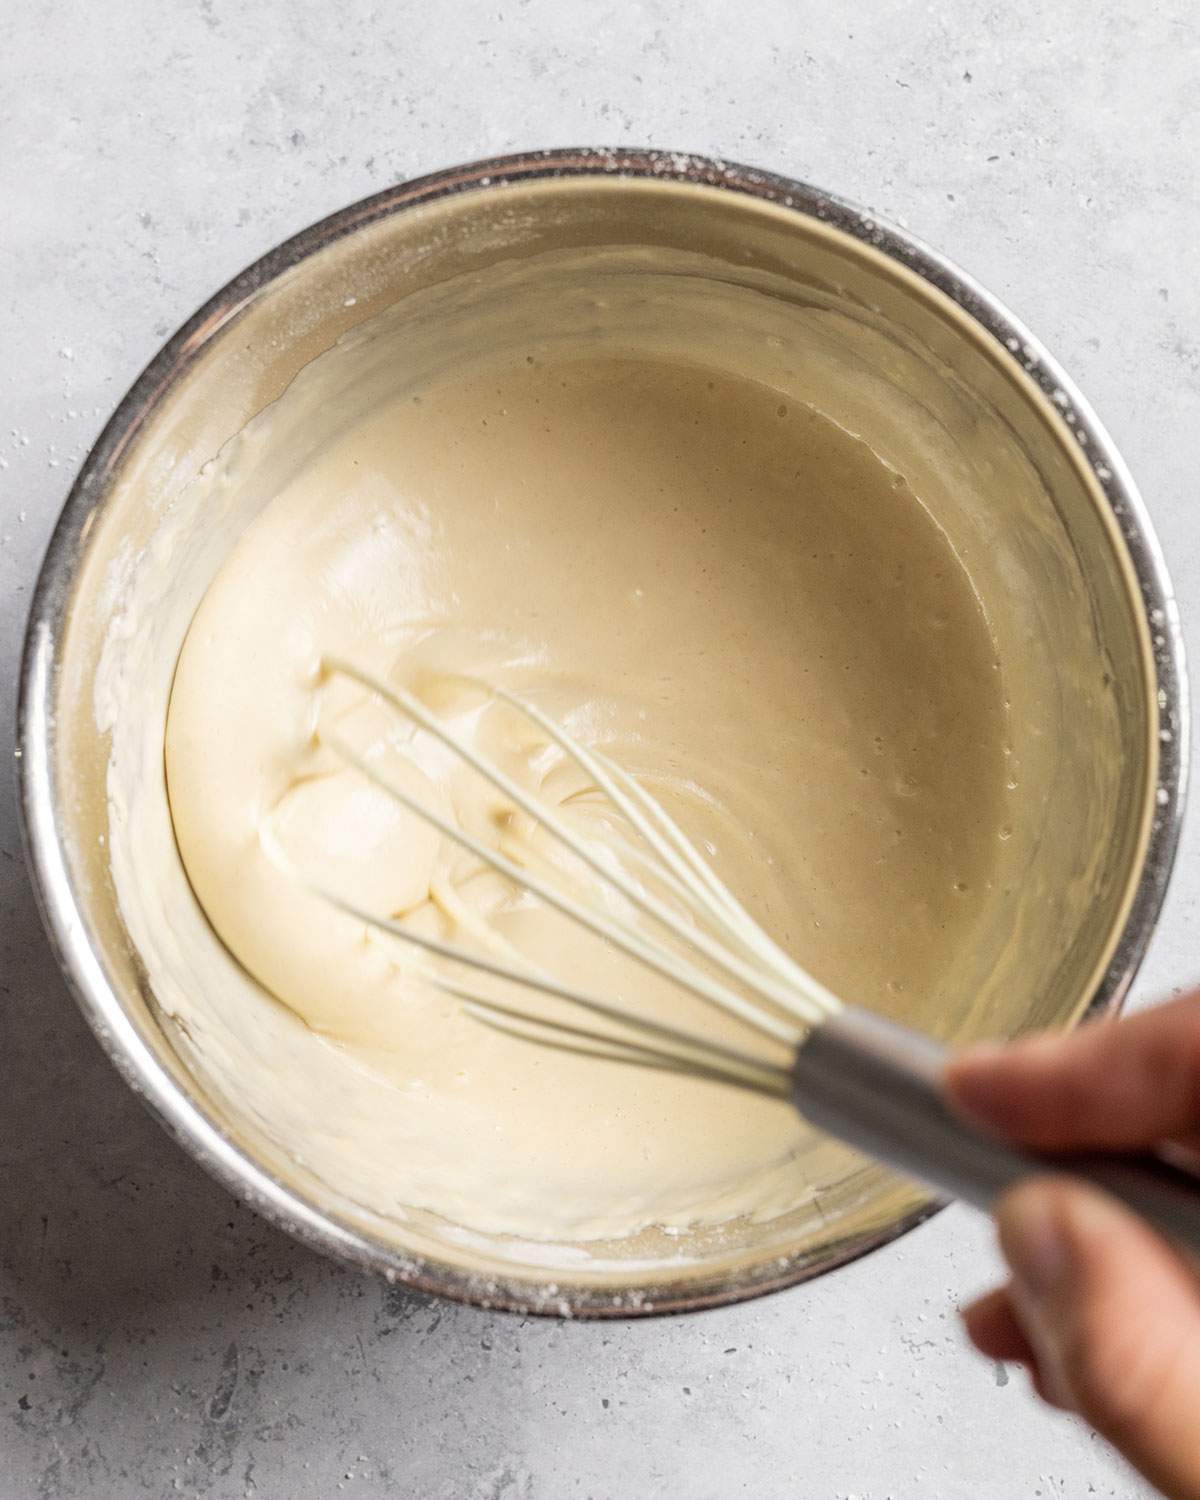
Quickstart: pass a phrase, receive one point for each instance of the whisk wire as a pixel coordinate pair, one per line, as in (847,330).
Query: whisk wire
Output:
(716,1054)
(751,934)
(801,1000)
(669,965)
(623,792)
(758,1078)
(692,879)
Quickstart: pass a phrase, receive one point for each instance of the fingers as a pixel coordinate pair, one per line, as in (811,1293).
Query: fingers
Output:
(1104,1313)
(994,1329)
(1112,1084)
(1112,1317)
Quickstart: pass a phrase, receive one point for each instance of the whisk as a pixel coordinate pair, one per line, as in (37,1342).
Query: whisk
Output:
(875,1085)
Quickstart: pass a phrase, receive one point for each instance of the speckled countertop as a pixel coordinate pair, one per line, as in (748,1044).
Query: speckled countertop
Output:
(155,1338)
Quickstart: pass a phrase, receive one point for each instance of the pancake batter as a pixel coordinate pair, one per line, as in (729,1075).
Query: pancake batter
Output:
(732,596)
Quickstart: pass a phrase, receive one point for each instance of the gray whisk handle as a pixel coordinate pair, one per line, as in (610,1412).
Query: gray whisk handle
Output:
(877,1087)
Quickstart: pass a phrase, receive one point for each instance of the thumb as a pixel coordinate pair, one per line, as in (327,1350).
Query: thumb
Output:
(1113,1315)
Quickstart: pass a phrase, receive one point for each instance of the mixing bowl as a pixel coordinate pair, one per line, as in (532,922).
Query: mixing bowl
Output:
(931,370)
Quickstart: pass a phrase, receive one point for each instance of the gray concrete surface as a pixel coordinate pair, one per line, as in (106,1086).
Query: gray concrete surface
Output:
(154,1337)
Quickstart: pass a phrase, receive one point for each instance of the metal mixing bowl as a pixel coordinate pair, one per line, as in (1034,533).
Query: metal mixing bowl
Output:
(238,354)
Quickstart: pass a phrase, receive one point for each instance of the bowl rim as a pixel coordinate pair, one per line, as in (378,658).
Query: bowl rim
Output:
(64,914)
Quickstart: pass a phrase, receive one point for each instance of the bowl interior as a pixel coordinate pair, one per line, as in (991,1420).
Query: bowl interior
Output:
(773,294)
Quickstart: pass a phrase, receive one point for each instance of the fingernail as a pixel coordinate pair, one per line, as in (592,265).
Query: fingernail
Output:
(1033,1242)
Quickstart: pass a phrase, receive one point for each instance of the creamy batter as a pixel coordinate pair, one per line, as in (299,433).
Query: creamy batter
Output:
(736,599)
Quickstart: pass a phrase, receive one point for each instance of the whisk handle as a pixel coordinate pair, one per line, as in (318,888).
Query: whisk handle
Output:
(878,1087)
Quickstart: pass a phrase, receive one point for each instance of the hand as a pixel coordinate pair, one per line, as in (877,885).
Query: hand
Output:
(1105,1314)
